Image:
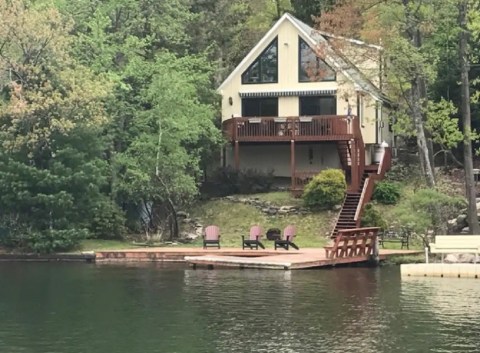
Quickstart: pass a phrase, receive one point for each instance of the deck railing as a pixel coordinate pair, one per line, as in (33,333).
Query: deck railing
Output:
(306,128)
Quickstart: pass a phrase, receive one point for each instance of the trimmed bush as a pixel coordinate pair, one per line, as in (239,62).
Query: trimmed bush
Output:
(386,192)
(372,218)
(325,190)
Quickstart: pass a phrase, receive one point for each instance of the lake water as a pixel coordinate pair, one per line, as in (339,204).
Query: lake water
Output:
(70,308)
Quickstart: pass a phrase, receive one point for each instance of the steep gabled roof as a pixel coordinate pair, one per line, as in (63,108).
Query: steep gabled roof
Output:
(338,61)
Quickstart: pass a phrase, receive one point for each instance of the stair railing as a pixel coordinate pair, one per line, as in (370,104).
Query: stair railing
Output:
(360,147)
(368,187)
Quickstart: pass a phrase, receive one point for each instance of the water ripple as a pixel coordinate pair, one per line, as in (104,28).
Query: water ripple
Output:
(62,308)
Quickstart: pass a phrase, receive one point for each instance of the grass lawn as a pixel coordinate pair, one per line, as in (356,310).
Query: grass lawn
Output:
(100,244)
(235,220)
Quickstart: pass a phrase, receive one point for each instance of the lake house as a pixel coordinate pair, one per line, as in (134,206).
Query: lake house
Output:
(302,101)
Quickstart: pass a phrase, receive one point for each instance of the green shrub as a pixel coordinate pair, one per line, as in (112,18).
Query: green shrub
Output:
(325,190)
(108,221)
(47,241)
(56,240)
(387,192)
(429,209)
(372,218)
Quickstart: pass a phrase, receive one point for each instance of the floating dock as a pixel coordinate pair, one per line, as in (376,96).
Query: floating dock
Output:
(237,258)
(441,270)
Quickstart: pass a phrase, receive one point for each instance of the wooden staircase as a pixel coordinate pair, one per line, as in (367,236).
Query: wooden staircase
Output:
(346,218)
(356,199)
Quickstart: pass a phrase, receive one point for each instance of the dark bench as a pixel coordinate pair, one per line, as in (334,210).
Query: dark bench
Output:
(391,236)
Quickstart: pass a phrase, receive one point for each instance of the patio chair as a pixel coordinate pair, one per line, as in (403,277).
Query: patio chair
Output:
(286,241)
(253,241)
(211,237)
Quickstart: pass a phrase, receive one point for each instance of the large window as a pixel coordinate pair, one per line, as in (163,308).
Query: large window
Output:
(260,107)
(265,68)
(318,105)
(310,66)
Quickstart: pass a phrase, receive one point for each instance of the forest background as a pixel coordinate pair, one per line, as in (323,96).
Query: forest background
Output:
(109,117)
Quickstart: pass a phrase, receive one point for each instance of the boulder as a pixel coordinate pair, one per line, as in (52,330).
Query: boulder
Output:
(450,259)
(462,219)
(192,236)
(272,210)
(337,207)
(466,258)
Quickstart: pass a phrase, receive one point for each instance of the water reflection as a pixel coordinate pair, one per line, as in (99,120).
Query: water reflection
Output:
(63,308)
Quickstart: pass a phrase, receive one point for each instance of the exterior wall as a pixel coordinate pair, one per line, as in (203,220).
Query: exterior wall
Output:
(288,80)
(276,157)
(287,76)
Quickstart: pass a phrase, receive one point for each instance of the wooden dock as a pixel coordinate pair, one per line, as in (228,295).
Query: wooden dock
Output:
(237,258)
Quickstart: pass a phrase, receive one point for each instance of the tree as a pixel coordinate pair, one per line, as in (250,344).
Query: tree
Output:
(307,10)
(51,119)
(463,52)
(404,29)
(160,169)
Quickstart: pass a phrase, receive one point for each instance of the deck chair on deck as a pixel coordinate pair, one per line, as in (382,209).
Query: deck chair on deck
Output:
(253,241)
(211,237)
(287,239)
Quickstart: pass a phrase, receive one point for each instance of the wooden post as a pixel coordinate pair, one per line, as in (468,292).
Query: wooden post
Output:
(355,182)
(292,162)
(237,155)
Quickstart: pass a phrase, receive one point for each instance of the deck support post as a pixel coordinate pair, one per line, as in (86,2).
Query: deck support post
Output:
(292,162)
(237,155)
(355,182)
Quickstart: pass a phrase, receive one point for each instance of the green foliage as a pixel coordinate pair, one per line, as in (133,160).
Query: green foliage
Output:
(443,128)
(228,181)
(46,241)
(386,192)
(53,240)
(325,190)
(52,173)
(306,9)
(428,209)
(400,172)
(108,221)
(372,217)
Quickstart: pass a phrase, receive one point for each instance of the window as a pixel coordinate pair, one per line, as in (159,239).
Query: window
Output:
(260,107)
(311,67)
(265,68)
(318,105)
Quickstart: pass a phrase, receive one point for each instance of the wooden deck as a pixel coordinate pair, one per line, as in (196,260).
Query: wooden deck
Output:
(285,129)
(237,258)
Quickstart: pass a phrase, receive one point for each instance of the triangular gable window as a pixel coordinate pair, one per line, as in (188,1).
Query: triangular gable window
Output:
(265,68)
(310,67)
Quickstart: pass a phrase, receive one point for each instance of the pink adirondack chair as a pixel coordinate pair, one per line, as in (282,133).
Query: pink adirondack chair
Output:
(253,241)
(211,237)
(287,239)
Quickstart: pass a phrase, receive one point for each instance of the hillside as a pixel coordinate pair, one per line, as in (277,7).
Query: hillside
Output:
(234,217)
